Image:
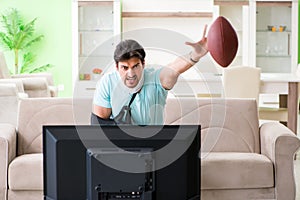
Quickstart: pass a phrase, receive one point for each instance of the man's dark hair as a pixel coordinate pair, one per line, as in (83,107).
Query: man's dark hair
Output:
(128,49)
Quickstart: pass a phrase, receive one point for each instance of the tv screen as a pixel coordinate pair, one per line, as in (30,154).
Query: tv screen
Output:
(122,162)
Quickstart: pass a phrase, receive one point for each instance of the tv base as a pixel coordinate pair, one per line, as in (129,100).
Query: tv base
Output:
(104,182)
(125,196)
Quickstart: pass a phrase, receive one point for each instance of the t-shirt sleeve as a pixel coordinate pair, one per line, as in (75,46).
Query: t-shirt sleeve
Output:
(162,91)
(102,92)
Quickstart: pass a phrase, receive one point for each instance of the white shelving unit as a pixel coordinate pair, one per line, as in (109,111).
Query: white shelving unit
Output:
(96,31)
(95,22)
(272,51)
(273,47)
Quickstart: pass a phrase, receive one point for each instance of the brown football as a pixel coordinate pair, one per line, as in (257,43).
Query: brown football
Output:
(222,41)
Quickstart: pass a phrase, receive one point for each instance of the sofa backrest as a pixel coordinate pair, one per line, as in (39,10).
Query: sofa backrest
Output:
(9,100)
(48,76)
(36,112)
(36,87)
(227,125)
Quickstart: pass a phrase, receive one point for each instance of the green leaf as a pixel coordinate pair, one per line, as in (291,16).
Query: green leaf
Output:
(34,40)
(19,36)
(41,68)
(28,60)
(5,41)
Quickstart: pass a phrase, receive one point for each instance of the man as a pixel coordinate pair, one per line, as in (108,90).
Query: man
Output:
(115,90)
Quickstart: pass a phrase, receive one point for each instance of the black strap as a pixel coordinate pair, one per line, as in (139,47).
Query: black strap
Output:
(132,98)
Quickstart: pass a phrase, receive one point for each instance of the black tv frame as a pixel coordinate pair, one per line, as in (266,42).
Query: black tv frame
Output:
(63,144)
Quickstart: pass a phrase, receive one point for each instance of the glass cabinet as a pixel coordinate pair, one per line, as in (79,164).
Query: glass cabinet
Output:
(267,33)
(96,30)
(273,37)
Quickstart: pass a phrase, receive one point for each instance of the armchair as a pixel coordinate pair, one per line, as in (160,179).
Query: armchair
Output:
(239,159)
(35,85)
(47,76)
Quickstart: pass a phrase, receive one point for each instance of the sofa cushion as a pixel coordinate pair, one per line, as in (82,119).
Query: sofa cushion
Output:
(227,125)
(26,172)
(225,170)
(36,112)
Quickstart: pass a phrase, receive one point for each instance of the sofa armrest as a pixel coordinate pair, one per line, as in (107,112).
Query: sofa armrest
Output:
(280,144)
(53,90)
(22,95)
(17,82)
(8,140)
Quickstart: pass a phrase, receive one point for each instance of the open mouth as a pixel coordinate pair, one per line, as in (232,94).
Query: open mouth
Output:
(131,80)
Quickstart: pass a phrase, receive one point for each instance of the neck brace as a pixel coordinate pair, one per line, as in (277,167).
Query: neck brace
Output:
(136,88)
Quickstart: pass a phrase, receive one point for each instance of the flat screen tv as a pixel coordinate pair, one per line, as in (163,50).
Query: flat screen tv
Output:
(122,162)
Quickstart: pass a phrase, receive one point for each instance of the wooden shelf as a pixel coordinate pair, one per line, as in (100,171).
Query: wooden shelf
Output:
(246,2)
(94,3)
(274,3)
(167,14)
(230,2)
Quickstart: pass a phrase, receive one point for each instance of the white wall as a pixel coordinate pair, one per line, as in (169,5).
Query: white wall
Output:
(175,31)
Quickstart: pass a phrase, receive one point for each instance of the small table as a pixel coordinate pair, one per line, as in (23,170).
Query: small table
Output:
(284,83)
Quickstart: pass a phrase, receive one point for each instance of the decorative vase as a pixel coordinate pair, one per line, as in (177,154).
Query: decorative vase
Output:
(96,76)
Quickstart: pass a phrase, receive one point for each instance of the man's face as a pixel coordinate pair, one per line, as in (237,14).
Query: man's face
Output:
(130,71)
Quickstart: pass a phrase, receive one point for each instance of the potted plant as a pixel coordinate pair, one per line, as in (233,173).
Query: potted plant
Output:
(18,36)
(96,73)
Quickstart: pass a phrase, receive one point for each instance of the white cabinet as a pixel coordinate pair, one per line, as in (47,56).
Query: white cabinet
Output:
(267,33)
(275,30)
(273,37)
(96,31)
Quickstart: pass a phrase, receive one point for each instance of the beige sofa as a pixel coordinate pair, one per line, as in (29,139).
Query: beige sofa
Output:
(239,159)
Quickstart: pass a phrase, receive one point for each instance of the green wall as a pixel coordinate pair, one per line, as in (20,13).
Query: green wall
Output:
(55,23)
